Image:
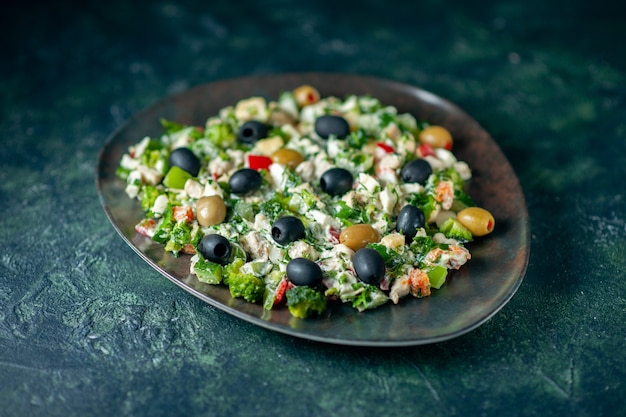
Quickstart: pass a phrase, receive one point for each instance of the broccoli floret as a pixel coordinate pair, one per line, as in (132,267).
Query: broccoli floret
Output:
(246,286)
(303,301)
(179,235)
(220,134)
(453,229)
(154,153)
(370,297)
(149,194)
(275,207)
(208,272)
(243,285)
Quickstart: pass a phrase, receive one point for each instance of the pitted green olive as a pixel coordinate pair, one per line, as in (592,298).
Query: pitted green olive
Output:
(358,236)
(437,137)
(288,157)
(210,210)
(477,220)
(305,95)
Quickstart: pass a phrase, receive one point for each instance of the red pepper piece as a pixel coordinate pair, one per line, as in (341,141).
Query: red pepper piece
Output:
(146,227)
(385,147)
(425,150)
(258,162)
(282,288)
(180,213)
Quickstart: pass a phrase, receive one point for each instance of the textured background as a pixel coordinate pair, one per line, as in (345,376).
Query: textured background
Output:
(87,328)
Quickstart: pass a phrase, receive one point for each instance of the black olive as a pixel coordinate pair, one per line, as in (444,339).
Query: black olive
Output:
(301,271)
(215,248)
(287,229)
(336,181)
(369,266)
(409,220)
(329,124)
(418,170)
(186,160)
(251,131)
(245,181)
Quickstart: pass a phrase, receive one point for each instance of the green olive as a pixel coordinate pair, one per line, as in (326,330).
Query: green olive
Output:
(210,210)
(305,95)
(358,236)
(288,157)
(477,220)
(436,136)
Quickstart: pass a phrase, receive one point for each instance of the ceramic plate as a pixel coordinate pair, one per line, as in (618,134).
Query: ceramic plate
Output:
(471,295)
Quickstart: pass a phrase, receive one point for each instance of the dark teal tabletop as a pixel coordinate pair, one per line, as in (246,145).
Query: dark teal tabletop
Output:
(89,329)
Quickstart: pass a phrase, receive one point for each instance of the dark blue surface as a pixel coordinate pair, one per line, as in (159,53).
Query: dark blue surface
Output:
(87,328)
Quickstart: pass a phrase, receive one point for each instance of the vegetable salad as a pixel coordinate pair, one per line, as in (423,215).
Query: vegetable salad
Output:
(306,200)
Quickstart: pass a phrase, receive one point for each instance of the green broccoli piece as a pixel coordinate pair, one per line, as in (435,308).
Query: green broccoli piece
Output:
(453,229)
(243,285)
(370,297)
(179,235)
(149,194)
(304,301)
(276,206)
(220,134)
(208,272)
(154,153)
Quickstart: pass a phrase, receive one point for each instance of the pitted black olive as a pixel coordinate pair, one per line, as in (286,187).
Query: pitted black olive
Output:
(302,271)
(251,131)
(369,266)
(332,125)
(215,248)
(418,170)
(186,160)
(410,219)
(287,229)
(336,181)
(245,181)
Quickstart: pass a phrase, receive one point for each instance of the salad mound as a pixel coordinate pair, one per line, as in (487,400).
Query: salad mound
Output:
(306,200)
